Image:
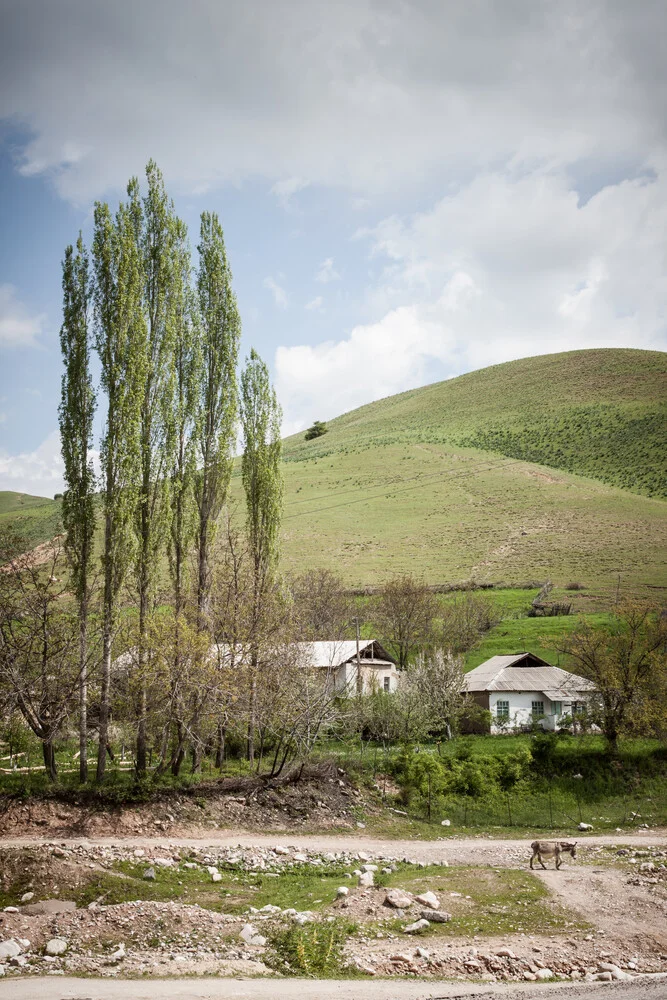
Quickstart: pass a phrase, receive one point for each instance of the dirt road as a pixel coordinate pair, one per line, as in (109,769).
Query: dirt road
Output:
(53,988)
(465,851)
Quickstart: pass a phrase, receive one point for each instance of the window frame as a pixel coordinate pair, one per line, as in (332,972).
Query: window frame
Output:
(504,714)
(536,712)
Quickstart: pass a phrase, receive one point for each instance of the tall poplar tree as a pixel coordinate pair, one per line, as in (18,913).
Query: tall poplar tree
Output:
(76,412)
(217,402)
(155,232)
(120,342)
(186,384)
(263,485)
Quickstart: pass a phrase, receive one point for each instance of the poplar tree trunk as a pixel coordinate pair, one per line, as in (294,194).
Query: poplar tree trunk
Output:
(83,692)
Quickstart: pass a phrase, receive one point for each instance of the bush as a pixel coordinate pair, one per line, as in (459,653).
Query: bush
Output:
(317,430)
(312,950)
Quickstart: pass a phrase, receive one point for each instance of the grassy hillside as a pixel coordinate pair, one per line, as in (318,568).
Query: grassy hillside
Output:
(34,518)
(600,413)
(472,478)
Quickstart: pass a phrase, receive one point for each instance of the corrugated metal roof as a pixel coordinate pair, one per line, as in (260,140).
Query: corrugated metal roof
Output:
(497,674)
(332,653)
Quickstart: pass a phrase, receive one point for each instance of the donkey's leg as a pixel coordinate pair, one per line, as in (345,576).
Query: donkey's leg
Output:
(531,860)
(539,858)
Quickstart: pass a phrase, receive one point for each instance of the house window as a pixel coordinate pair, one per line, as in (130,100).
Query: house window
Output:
(387,683)
(556,708)
(502,710)
(538,709)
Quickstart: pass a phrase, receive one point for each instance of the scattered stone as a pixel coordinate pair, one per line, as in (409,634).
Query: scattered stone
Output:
(361,826)
(422,953)
(9,949)
(56,946)
(398,898)
(544,974)
(428,899)
(138,852)
(27,896)
(585,826)
(366,880)
(300,857)
(530,976)
(341,891)
(164,862)
(18,961)
(369,868)
(400,957)
(149,874)
(419,925)
(505,953)
(119,954)
(614,970)
(10,909)
(278,849)
(437,916)
(216,877)
(446,822)
(2,970)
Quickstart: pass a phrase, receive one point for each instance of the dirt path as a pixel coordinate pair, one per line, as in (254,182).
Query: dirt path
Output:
(299,989)
(483,850)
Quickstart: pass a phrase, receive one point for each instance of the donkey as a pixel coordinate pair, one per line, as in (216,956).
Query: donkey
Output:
(548,849)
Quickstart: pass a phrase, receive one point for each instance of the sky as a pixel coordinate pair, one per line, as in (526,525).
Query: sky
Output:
(409,189)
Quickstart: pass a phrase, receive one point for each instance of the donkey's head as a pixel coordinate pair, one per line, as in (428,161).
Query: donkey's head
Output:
(569,848)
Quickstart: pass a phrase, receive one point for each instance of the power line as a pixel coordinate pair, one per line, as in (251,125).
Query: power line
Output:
(464,474)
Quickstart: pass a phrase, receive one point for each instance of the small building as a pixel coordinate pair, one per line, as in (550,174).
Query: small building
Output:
(378,668)
(523,689)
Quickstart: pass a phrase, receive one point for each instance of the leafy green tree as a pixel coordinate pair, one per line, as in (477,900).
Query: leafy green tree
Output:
(623,658)
(316,430)
(217,396)
(155,229)
(76,413)
(263,485)
(120,342)
(511,770)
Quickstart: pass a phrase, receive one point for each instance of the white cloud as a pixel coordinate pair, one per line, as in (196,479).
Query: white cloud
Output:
(38,472)
(506,267)
(327,272)
(315,304)
(357,94)
(18,326)
(278,292)
(285,189)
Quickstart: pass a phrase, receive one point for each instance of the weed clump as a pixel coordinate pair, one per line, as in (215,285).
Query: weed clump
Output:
(312,949)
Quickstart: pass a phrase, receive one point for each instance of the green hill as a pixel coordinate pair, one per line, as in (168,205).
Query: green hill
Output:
(482,476)
(33,518)
(546,467)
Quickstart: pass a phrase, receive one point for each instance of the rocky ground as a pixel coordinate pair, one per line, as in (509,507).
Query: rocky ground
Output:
(606,914)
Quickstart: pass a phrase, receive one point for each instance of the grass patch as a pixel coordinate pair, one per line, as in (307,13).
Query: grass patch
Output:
(490,902)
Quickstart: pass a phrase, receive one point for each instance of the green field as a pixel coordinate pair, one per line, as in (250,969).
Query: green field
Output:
(575,443)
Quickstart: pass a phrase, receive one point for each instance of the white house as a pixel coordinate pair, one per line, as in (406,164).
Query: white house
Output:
(521,689)
(378,668)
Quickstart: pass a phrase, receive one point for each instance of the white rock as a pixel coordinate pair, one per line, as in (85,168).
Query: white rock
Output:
(366,880)
(361,826)
(446,822)
(25,944)
(216,877)
(437,916)
(139,852)
(305,917)
(505,953)
(164,862)
(419,925)
(398,898)
(278,849)
(119,953)
(428,899)
(585,826)
(56,946)
(27,896)
(190,865)
(10,909)
(2,970)
(250,936)
(544,974)
(300,857)
(369,868)
(422,953)
(616,972)
(9,949)
(342,890)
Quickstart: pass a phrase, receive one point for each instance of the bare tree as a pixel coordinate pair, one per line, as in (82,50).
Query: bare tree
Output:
(39,642)
(322,608)
(404,615)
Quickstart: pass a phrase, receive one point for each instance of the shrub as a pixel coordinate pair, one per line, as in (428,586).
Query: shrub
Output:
(317,430)
(313,950)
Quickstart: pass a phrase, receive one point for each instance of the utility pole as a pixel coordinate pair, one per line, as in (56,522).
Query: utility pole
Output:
(360,680)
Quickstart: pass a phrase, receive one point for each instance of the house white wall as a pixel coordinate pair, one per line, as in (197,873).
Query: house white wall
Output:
(521,709)
(373,678)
